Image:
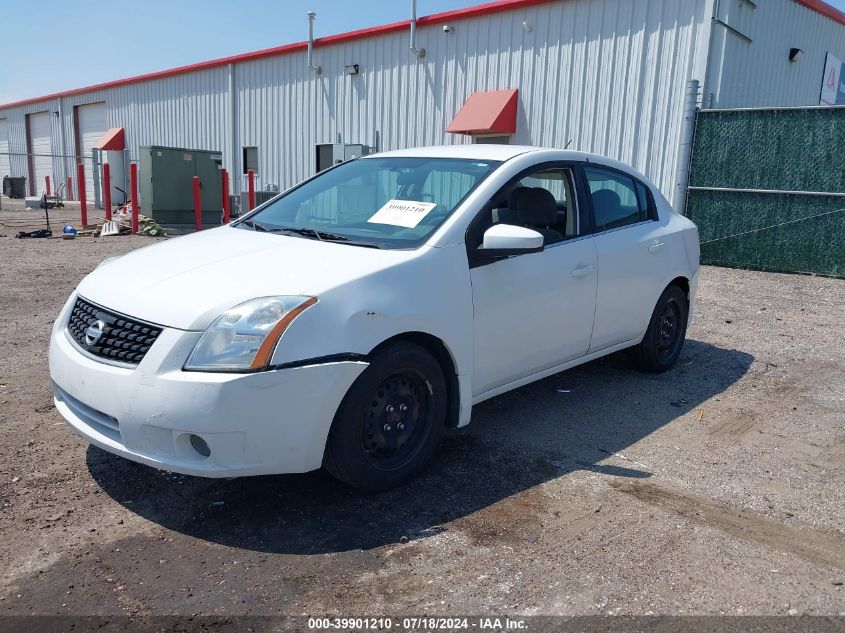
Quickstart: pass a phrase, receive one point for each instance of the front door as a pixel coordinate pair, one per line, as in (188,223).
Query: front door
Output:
(534,311)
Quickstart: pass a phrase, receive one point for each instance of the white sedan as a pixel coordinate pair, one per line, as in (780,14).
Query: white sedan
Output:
(350,319)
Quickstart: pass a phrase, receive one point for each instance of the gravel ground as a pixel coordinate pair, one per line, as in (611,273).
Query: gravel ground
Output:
(717,488)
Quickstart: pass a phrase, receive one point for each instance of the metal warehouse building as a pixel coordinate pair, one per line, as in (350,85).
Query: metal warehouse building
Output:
(605,76)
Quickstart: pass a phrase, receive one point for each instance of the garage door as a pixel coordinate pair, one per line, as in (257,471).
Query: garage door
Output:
(41,146)
(4,149)
(92,125)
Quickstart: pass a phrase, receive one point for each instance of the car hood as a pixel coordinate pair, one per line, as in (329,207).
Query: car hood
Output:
(186,283)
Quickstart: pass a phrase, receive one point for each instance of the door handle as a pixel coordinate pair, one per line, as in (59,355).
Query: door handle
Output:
(583,271)
(655,247)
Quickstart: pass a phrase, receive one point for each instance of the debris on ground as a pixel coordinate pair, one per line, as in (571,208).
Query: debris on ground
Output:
(148,226)
(39,233)
(700,539)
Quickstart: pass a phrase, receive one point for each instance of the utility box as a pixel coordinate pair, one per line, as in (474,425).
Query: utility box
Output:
(166,184)
(14,186)
(329,154)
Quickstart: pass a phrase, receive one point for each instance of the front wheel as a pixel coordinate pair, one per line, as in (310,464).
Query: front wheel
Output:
(390,421)
(667,329)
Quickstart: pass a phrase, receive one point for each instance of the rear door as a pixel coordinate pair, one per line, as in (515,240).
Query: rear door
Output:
(631,255)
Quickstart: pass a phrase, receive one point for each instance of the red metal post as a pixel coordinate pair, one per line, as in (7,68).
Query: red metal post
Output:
(107,190)
(250,175)
(47,182)
(225,197)
(69,192)
(133,187)
(197,204)
(83,203)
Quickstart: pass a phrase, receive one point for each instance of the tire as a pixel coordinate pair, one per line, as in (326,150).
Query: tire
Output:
(667,329)
(390,421)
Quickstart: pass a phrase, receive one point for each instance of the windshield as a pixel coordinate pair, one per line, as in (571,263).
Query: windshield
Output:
(375,202)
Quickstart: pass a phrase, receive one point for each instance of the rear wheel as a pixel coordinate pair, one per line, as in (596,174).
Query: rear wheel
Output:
(390,421)
(667,329)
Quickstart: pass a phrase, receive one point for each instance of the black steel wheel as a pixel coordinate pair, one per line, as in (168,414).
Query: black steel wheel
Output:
(396,418)
(664,339)
(390,421)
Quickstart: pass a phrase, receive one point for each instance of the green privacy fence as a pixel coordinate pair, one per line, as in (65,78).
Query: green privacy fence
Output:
(763,189)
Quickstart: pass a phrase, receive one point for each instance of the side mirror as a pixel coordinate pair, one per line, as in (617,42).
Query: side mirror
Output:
(502,240)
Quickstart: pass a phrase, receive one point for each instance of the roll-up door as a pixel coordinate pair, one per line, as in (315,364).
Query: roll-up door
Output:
(41,148)
(5,160)
(92,125)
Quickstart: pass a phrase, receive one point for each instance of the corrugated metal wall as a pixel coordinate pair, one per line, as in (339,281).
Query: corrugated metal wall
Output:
(607,75)
(744,74)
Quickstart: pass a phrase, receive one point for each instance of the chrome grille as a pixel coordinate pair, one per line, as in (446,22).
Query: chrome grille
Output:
(123,339)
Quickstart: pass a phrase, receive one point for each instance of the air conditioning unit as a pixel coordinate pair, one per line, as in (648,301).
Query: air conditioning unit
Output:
(260,198)
(329,154)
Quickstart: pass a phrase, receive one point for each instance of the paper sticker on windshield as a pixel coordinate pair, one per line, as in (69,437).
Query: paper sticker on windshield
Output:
(407,213)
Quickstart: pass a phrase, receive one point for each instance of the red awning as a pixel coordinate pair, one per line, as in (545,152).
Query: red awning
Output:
(491,112)
(114,139)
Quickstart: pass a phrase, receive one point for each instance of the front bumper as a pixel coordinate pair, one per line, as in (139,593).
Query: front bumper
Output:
(254,424)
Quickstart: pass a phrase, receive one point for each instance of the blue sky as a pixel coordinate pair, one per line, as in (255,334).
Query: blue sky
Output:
(77,46)
(80,49)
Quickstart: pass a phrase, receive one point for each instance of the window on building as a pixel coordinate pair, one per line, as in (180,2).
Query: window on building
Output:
(250,159)
(617,199)
(492,140)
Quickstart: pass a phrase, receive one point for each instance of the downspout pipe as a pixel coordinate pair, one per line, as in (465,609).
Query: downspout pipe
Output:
(65,169)
(314,69)
(419,52)
(707,100)
(234,164)
(682,172)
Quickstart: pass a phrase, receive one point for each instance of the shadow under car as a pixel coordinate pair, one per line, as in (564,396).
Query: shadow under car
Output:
(571,421)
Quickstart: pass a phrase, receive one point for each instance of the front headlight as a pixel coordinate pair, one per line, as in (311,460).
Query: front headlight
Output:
(245,337)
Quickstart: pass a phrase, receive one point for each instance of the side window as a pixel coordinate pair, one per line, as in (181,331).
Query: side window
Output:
(645,201)
(617,199)
(543,201)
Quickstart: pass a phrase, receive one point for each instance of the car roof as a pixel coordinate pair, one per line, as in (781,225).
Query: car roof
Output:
(481,151)
(471,151)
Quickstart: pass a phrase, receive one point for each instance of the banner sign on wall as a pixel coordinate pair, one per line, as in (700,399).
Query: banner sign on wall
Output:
(833,82)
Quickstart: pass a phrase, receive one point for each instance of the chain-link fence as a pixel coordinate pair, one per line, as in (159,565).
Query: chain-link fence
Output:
(767,189)
(27,174)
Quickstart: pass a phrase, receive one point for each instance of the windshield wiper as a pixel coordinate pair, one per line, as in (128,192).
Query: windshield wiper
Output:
(300,231)
(334,237)
(310,233)
(320,235)
(255,225)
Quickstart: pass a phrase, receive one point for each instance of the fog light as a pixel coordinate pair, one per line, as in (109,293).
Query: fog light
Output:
(200,445)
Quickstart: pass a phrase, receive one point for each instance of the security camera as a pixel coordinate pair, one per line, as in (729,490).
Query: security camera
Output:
(447,28)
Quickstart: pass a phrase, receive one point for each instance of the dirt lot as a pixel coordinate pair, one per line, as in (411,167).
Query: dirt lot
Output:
(718,487)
